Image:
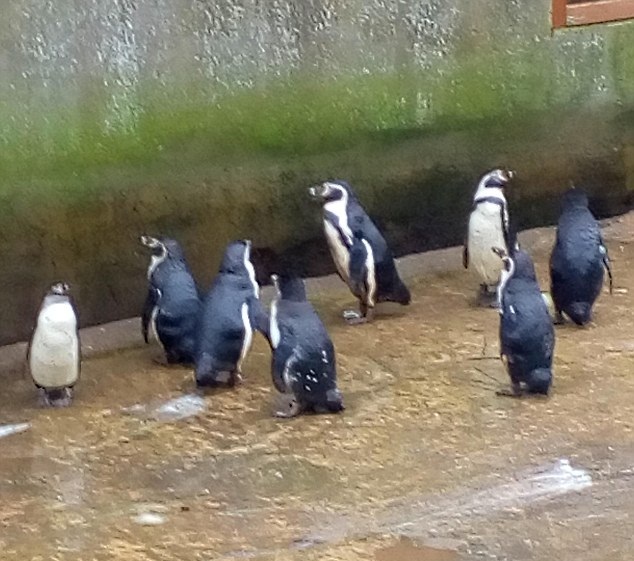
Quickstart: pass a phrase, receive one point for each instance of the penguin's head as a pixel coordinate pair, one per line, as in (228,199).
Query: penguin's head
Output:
(497,178)
(518,265)
(59,289)
(163,247)
(237,257)
(334,190)
(289,287)
(574,198)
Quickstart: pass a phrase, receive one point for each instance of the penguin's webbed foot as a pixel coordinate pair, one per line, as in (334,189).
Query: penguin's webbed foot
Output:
(57,398)
(288,407)
(487,298)
(559,318)
(353,317)
(514,390)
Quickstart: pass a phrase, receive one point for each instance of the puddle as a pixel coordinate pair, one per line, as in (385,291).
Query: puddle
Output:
(173,410)
(414,515)
(8,430)
(407,550)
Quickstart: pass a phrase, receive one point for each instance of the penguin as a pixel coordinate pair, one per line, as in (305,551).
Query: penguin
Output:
(362,256)
(527,336)
(488,227)
(303,363)
(54,352)
(578,260)
(230,314)
(172,305)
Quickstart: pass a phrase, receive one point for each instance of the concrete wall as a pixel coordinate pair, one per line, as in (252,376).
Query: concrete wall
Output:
(207,120)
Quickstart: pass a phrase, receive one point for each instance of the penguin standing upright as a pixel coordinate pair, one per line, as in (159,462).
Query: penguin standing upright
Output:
(172,304)
(54,353)
(303,363)
(488,227)
(527,336)
(577,260)
(361,254)
(230,314)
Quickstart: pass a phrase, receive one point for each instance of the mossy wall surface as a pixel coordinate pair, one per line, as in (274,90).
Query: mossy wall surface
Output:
(208,119)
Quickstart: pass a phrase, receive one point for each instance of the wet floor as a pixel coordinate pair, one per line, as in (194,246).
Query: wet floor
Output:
(426,463)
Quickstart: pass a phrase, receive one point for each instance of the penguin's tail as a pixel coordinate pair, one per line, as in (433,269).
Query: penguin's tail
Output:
(580,312)
(400,293)
(334,401)
(539,381)
(204,371)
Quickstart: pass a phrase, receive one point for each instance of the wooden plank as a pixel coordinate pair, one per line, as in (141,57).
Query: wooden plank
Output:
(559,13)
(599,11)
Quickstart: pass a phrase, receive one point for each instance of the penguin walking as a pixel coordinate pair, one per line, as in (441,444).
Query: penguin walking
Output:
(303,363)
(488,227)
(172,305)
(230,314)
(362,256)
(527,336)
(54,352)
(578,260)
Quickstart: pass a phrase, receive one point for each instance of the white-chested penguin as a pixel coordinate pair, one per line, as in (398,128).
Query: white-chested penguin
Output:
(173,303)
(230,314)
(577,260)
(361,254)
(488,227)
(54,353)
(303,363)
(527,336)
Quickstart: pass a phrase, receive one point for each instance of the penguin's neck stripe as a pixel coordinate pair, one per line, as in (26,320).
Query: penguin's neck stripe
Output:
(493,200)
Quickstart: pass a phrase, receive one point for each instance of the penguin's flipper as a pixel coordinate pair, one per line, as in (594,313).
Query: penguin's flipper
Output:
(282,367)
(606,263)
(74,306)
(259,318)
(357,268)
(151,300)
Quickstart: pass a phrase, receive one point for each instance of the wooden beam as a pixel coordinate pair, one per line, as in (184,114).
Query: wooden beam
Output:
(598,11)
(559,13)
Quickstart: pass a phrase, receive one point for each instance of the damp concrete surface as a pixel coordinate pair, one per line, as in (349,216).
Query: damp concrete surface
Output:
(427,463)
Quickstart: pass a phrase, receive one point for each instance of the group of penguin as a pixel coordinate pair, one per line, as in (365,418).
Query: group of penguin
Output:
(214,331)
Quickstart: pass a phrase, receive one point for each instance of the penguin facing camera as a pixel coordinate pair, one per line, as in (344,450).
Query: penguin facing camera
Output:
(488,227)
(303,363)
(527,336)
(54,352)
(172,305)
(578,260)
(230,314)
(362,257)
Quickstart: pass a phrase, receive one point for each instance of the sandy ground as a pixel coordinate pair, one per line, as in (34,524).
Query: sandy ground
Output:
(426,463)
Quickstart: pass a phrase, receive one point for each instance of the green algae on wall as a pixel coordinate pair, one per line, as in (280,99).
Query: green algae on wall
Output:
(207,121)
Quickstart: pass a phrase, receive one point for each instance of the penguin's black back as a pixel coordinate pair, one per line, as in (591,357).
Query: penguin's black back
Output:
(173,291)
(221,328)
(305,342)
(527,336)
(576,264)
(390,287)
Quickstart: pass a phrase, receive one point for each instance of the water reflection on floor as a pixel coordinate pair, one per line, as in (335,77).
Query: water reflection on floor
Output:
(141,469)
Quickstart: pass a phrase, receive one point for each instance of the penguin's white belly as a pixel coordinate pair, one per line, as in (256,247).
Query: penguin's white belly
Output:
(54,356)
(486,231)
(338,250)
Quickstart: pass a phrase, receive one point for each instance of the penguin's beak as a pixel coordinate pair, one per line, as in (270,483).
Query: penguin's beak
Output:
(317,192)
(510,174)
(149,241)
